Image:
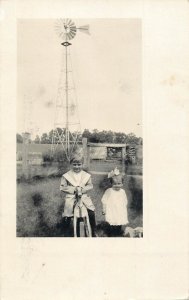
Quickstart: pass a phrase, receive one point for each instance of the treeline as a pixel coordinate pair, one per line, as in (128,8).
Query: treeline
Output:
(94,136)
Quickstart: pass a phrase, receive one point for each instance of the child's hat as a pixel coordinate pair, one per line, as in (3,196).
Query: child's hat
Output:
(114,172)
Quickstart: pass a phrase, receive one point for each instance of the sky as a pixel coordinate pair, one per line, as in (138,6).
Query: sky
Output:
(107,71)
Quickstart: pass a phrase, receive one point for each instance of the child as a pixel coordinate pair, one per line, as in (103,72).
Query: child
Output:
(114,203)
(70,182)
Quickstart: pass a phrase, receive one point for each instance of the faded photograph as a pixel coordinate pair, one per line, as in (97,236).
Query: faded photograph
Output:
(79,128)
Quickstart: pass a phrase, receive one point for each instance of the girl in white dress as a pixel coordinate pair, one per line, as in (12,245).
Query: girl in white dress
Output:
(114,202)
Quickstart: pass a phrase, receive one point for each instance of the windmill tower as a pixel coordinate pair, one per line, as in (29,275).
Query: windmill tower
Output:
(67,129)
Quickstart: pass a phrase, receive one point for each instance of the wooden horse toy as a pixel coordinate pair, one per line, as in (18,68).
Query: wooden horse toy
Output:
(82,226)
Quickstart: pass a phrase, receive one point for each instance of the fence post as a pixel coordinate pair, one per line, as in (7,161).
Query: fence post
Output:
(85,154)
(123,155)
(25,159)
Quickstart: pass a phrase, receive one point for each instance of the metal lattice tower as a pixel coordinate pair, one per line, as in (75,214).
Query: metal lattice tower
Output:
(67,128)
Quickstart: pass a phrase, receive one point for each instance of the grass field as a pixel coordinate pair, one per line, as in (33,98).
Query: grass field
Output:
(40,205)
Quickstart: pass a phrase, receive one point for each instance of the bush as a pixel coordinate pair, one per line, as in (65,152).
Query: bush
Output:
(47,157)
(58,156)
(19,156)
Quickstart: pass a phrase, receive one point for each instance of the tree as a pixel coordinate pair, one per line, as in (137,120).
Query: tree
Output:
(94,138)
(120,137)
(51,136)
(106,136)
(86,134)
(19,138)
(45,139)
(131,138)
(37,139)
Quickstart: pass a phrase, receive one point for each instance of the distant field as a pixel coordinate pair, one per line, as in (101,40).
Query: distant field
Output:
(43,148)
(36,147)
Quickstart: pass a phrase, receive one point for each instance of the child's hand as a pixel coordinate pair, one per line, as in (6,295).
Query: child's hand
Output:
(78,191)
(84,191)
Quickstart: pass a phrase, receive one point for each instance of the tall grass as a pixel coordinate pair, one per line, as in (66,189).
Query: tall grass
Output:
(40,205)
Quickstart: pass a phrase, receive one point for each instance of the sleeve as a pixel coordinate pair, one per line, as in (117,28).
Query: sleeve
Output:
(64,187)
(88,186)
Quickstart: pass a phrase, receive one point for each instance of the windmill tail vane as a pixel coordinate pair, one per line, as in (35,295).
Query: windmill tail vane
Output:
(84,29)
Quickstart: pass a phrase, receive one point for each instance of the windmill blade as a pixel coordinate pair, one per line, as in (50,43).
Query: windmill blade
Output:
(84,28)
(61,35)
(71,35)
(69,21)
(73,28)
(71,24)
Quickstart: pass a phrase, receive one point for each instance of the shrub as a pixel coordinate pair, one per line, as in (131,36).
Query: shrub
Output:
(19,156)
(58,156)
(47,157)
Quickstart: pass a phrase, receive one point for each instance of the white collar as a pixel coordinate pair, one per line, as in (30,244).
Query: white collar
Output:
(73,178)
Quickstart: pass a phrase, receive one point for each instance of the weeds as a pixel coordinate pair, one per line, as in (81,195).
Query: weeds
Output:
(40,206)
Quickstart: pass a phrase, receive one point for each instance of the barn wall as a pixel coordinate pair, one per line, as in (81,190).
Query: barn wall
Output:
(98,152)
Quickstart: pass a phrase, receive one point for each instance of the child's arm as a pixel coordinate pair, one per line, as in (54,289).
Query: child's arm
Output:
(87,187)
(64,187)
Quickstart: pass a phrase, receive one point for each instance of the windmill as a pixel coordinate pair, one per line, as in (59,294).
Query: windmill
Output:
(66,121)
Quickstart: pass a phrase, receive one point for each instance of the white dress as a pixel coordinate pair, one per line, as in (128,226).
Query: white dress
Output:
(115,206)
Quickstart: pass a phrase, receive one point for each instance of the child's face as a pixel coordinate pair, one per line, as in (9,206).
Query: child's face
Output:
(76,166)
(117,184)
